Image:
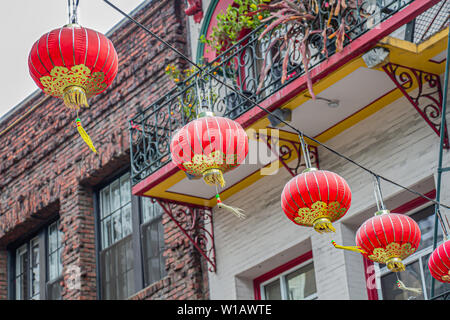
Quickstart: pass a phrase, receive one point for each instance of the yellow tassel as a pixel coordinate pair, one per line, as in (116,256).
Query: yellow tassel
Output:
(349,248)
(85,136)
(75,97)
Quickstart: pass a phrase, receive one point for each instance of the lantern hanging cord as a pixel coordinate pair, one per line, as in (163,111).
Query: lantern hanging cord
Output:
(200,69)
(73,11)
(378,194)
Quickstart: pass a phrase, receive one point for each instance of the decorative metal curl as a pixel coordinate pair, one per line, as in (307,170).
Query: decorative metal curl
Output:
(426,99)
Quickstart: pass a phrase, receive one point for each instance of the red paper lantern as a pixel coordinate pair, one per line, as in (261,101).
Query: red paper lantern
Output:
(439,263)
(316,198)
(388,238)
(73,63)
(208,147)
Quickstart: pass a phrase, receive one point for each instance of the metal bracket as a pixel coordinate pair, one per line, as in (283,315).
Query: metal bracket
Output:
(197,225)
(286,149)
(428,100)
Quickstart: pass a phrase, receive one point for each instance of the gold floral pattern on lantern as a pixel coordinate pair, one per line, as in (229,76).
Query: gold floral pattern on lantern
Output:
(446,278)
(215,160)
(61,78)
(392,250)
(319,209)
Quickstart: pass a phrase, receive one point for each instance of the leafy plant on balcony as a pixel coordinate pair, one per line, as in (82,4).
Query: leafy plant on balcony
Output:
(188,101)
(232,23)
(302,22)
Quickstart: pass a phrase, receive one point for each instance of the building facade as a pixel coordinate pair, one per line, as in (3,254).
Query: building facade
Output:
(70,227)
(128,224)
(373,105)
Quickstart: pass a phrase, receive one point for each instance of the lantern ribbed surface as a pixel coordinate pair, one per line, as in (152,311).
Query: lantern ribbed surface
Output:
(73,56)
(389,238)
(316,198)
(209,146)
(439,263)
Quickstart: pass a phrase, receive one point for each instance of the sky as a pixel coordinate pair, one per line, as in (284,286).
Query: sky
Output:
(22,22)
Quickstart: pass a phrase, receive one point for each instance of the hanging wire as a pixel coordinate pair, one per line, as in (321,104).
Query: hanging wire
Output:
(267,111)
(73,11)
(378,194)
(305,151)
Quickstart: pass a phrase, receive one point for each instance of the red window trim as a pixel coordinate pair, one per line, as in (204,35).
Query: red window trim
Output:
(278,270)
(372,294)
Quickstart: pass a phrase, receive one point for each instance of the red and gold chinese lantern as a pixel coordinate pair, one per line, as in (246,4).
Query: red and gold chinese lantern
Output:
(208,147)
(387,238)
(316,198)
(439,263)
(73,63)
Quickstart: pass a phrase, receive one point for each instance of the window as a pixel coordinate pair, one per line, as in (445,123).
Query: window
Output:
(416,274)
(294,280)
(37,270)
(116,255)
(153,241)
(131,241)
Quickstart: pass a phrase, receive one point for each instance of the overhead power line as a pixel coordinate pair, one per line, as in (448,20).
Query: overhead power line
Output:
(378,176)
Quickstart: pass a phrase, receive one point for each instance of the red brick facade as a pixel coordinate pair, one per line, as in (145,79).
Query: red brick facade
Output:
(46,169)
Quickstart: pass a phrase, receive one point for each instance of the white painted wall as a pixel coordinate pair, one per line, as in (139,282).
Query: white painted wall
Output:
(394,142)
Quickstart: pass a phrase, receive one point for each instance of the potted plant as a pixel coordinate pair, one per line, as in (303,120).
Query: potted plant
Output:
(234,24)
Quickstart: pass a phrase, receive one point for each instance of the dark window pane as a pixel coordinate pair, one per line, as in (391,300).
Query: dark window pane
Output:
(411,277)
(35,275)
(272,291)
(21,273)
(153,247)
(425,220)
(301,283)
(117,270)
(54,289)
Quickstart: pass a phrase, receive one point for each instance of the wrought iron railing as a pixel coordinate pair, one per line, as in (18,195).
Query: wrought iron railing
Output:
(428,23)
(240,67)
(443,296)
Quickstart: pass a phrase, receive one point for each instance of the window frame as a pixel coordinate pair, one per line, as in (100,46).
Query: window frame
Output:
(41,234)
(136,234)
(281,272)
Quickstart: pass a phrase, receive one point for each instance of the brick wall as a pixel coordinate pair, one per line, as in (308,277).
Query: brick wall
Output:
(46,169)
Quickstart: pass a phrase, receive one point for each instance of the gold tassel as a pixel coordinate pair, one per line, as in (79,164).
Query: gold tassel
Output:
(85,136)
(402,286)
(214,177)
(75,97)
(323,225)
(349,248)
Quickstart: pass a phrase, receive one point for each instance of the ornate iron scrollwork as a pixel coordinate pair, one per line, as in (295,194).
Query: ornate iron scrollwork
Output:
(197,225)
(427,99)
(287,150)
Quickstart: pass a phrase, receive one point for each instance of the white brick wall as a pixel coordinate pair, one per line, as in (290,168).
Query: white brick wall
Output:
(394,142)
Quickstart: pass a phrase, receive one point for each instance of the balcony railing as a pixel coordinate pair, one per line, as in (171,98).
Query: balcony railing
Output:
(239,66)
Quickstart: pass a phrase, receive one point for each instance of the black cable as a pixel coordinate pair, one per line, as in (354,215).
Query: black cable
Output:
(267,111)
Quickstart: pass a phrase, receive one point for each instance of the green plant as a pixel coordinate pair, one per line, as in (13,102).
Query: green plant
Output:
(242,15)
(189,100)
(301,19)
